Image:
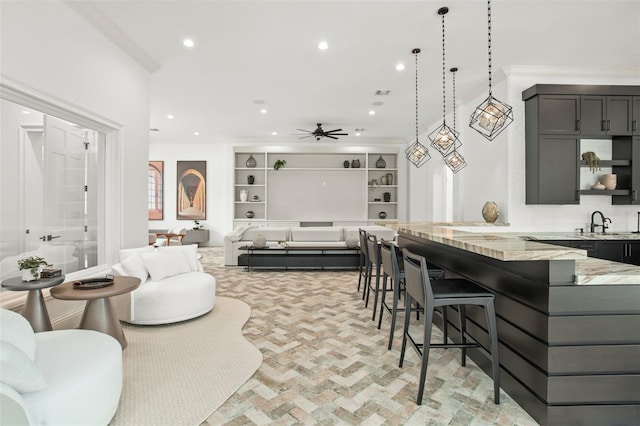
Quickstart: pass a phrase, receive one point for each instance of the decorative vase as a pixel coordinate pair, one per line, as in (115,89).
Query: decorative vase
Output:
(389,179)
(259,241)
(381,164)
(383,180)
(387,197)
(597,185)
(490,212)
(243,195)
(28,276)
(355,164)
(609,181)
(249,214)
(251,162)
(251,179)
(346,164)
(382,215)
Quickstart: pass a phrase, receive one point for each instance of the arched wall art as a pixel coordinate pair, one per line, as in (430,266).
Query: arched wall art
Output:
(191,203)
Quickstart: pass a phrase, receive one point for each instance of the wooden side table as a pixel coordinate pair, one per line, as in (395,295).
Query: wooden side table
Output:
(98,313)
(35,310)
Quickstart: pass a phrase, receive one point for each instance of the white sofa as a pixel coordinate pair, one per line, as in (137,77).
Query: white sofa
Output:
(320,236)
(174,286)
(62,377)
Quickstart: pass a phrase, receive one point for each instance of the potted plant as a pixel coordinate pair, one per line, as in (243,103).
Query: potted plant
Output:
(31,266)
(196,225)
(373,183)
(592,161)
(278,164)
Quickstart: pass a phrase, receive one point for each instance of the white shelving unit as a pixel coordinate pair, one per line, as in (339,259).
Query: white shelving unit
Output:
(315,186)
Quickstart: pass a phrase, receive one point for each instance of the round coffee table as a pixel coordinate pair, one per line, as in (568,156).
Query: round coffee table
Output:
(35,310)
(98,313)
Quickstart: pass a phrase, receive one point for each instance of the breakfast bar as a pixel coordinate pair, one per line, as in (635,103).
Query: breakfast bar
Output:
(568,325)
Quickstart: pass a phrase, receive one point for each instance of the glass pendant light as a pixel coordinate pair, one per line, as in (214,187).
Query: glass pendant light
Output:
(444,138)
(492,116)
(454,159)
(417,153)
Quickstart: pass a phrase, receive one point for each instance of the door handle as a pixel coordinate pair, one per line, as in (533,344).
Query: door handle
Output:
(577,124)
(603,125)
(608,124)
(634,125)
(48,237)
(634,196)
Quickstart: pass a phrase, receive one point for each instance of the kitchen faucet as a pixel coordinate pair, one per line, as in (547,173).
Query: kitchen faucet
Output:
(604,221)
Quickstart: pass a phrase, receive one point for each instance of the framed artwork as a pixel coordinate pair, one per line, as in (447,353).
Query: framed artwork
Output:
(155,198)
(192,190)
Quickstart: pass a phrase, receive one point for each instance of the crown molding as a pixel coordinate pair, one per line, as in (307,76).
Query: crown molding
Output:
(568,71)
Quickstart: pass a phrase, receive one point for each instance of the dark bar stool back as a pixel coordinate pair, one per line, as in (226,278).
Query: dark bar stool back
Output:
(445,292)
(373,250)
(364,261)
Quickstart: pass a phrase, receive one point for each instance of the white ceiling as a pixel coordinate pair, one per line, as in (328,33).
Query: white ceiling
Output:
(267,50)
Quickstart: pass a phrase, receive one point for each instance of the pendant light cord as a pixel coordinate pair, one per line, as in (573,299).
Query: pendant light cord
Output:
(489,21)
(444,108)
(454,97)
(415,52)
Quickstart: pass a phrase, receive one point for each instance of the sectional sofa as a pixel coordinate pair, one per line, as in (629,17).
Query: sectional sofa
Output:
(319,237)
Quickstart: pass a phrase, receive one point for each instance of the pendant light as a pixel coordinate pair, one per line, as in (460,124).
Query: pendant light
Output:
(491,117)
(417,153)
(444,139)
(454,159)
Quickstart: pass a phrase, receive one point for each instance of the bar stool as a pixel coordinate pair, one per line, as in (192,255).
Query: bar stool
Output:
(373,250)
(362,236)
(445,292)
(393,272)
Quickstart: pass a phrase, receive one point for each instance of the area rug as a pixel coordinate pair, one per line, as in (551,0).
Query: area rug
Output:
(178,374)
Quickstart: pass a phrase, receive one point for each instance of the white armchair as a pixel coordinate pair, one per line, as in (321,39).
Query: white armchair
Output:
(173,236)
(62,377)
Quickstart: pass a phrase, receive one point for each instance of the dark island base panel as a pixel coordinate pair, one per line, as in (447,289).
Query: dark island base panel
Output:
(568,354)
(300,261)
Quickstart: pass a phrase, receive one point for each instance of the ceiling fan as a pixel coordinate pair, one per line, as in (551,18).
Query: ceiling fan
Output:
(319,133)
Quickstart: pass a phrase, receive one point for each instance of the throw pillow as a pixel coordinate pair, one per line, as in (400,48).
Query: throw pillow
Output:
(134,266)
(18,371)
(352,242)
(124,253)
(162,264)
(15,329)
(190,252)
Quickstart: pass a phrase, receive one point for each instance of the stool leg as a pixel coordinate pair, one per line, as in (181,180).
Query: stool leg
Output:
(405,328)
(495,357)
(375,293)
(360,269)
(367,282)
(426,339)
(384,293)
(445,324)
(462,312)
(394,312)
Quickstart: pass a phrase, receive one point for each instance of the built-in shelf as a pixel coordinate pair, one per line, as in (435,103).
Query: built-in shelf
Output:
(605,192)
(608,163)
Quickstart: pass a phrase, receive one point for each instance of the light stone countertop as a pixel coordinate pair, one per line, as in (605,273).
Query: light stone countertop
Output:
(518,246)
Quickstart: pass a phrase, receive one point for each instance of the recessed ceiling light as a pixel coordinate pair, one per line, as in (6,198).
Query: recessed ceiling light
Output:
(372,112)
(24,111)
(170,117)
(263,111)
(399,67)
(357,133)
(323,45)
(196,133)
(274,133)
(187,42)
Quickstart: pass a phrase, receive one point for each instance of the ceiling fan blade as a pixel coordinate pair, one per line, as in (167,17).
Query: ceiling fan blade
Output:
(303,130)
(329,136)
(303,137)
(339,134)
(334,130)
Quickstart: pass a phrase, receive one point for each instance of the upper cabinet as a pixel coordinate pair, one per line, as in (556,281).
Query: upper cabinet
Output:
(557,118)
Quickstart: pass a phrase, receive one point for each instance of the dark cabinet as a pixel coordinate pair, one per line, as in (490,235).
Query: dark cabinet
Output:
(620,251)
(606,115)
(635,121)
(558,114)
(552,170)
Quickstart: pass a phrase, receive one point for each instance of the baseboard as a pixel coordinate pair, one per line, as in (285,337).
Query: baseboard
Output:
(69,320)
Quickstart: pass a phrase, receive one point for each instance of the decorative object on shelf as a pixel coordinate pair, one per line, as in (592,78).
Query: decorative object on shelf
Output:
(383,180)
(592,161)
(382,215)
(387,197)
(417,153)
(259,241)
(490,212)
(256,198)
(251,162)
(389,179)
(492,116)
(377,200)
(197,225)
(597,185)
(279,164)
(609,181)
(345,164)
(444,139)
(243,195)
(31,266)
(373,183)
(249,214)
(251,179)
(381,164)
(454,160)
(355,164)
(191,202)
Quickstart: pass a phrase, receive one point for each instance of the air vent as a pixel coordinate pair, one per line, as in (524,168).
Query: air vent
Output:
(153,129)
(382,92)
(377,103)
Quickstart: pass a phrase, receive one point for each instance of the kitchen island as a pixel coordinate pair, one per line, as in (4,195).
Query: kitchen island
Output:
(568,325)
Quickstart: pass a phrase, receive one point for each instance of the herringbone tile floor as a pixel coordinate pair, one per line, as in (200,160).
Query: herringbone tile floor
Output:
(325,361)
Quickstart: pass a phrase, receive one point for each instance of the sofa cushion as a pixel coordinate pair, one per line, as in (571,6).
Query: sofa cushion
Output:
(189,251)
(383,232)
(18,371)
(133,266)
(124,253)
(270,233)
(15,329)
(320,234)
(163,265)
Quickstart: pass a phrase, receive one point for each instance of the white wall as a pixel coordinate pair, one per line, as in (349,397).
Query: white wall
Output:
(49,48)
